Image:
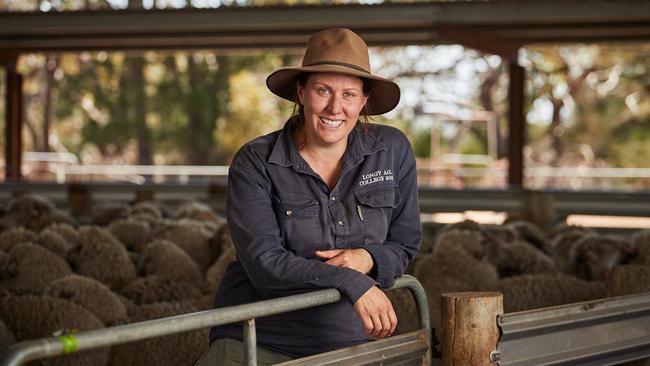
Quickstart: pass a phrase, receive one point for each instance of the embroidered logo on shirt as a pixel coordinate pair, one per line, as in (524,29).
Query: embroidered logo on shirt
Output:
(374,177)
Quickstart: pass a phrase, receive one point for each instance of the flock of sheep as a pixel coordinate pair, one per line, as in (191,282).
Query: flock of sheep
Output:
(129,263)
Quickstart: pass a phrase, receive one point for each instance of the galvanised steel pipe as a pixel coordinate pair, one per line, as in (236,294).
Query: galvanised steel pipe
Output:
(67,344)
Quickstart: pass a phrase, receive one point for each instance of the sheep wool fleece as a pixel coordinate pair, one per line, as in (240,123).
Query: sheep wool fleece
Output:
(280,212)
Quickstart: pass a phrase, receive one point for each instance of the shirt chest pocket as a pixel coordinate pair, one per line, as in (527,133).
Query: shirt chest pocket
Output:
(375,207)
(299,222)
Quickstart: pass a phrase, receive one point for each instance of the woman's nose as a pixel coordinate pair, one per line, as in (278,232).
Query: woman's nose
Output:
(335,105)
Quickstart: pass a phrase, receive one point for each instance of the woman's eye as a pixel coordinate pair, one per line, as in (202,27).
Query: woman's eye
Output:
(349,95)
(323,91)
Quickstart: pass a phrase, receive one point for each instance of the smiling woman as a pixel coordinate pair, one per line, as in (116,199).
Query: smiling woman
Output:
(326,202)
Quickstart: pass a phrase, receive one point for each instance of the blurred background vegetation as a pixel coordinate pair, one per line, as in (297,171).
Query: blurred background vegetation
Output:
(587,105)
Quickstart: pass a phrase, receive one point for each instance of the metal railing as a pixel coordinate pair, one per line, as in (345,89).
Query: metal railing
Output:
(55,346)
(598,332)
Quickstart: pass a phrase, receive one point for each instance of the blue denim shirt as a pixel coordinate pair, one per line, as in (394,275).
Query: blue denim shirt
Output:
(280,212)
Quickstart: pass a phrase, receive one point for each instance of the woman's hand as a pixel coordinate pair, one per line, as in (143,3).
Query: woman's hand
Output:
(376,313)
(358,259)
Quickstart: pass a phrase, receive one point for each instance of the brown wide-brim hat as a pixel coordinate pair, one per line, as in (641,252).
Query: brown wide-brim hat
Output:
(339,51)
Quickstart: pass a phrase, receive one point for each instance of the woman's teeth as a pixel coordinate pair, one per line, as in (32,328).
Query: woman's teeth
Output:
(331,122)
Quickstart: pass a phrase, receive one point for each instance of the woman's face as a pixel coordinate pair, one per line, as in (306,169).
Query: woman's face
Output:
(332,104)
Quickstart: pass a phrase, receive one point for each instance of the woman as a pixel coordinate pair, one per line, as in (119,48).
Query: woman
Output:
(325,202)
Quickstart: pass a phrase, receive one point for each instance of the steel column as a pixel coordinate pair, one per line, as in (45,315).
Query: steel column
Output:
(13,122)
(516,124)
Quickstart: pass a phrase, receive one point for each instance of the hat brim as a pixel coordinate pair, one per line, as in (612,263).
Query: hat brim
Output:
(384,94)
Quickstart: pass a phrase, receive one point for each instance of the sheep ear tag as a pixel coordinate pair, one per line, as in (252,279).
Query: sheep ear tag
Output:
(69,343)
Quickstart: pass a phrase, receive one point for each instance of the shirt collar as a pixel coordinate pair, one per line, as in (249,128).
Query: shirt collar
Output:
(361,142)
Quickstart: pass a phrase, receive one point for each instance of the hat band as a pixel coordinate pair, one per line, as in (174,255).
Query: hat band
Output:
(339,64)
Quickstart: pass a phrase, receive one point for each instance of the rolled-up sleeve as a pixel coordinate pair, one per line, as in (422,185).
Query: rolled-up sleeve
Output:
(404,232)
(259,244)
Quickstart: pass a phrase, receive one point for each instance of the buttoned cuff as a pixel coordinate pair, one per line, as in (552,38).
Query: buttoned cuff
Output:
(356,286)
(382,269)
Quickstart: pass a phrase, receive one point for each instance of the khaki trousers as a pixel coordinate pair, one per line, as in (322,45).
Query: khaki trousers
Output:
(230,352)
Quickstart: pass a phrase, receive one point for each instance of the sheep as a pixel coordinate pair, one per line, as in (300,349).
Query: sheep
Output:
(152,289)
(54,242)
(189,236)
(4,259)
(30,268)
(164,259)
(105,212)
(592,257)
(221,241)
(91,294)
(405,309)
(102,257)
(641,240)
(532,234)
(7,337)
(217,270)
(34,212)
(502,233)
(518,257)
(197,211)
(30,317)
(458,263)
(177,349)
(132,233)
(542,290)
(14,236)
(67,231)
(147,210)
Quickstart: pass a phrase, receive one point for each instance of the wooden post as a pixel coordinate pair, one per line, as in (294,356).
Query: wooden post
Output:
(516,124)
(13,122)
(630,279)
(469,327)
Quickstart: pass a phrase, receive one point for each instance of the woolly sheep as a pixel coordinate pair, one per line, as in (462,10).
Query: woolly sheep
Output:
(405,309)
(105,212)
(54,242)
(458,263)
(152,289)
(564,228)
(164,259)
(30,268)
(215,273)
(147,210)
(7,338)
(532,234)
(221,240)
(132,233)
(189,236)
(34,212)
(91,294)
(178,349)
(542,290)
(592,257)
(4,259)
(501,233)
(32,317)
(102,257)
(641,240)
(518,257)
(14,236)
(67,231)
(197,211)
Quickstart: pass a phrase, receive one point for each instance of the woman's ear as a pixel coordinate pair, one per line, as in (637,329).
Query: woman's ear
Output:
(300,92)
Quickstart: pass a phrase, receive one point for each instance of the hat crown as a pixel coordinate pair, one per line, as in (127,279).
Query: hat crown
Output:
(337,46)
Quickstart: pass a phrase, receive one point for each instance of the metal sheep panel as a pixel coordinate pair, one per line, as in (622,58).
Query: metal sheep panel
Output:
(598,332)
(401,349)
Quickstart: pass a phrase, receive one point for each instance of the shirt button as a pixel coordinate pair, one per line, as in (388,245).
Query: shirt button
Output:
(289,212)
(341,223)
(333,198)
